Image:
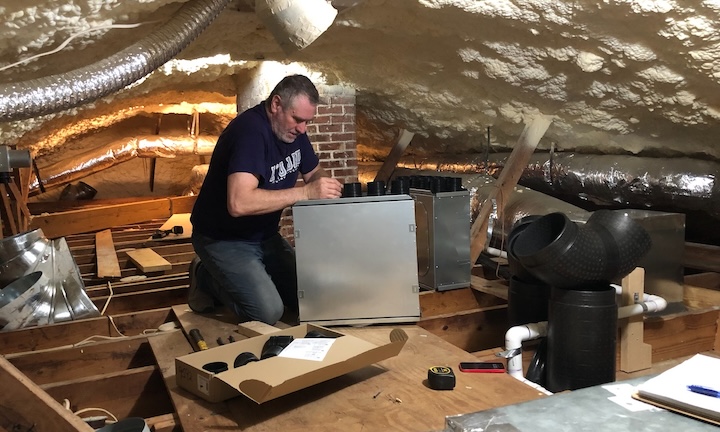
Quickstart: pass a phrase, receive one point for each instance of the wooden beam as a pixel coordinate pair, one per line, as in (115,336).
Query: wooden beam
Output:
(135,392)
(107,260)
(102,357)
(635,354)
(701,257)
(142,300)
(506,182)
(96,219)
(472,330)
(681,334)
(433,303)
(26,407)
(388,166)
(72,332)
(492,287)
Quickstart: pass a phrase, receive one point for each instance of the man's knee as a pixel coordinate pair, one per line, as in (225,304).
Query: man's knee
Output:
(269,314)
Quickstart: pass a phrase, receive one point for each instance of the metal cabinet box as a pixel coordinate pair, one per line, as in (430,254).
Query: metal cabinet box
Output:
(357,260)
(443,239)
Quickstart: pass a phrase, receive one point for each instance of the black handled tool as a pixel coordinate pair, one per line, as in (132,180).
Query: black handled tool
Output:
(198,340)
(177,229)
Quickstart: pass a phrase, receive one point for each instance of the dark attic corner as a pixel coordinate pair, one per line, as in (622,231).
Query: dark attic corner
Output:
(502,209)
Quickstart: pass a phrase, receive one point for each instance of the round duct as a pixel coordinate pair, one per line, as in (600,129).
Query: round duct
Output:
(561,254)
(295,24)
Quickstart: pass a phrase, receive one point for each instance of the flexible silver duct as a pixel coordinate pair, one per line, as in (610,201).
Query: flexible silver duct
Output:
(607,180)
(63,91)
(95,160)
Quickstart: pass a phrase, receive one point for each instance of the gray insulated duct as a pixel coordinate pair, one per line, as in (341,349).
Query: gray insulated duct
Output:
(60,92)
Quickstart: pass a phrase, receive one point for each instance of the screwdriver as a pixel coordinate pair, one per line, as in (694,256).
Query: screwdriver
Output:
(198,339)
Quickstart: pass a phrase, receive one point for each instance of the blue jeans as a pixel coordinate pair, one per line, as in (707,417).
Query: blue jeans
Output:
(256,280)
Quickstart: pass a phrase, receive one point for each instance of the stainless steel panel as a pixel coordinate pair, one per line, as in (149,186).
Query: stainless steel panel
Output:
(357,260)
(663,263)
(443,239)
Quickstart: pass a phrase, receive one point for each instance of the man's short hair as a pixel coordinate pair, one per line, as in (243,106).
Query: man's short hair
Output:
(292,86)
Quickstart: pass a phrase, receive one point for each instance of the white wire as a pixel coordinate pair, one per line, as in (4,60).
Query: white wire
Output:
(67,41)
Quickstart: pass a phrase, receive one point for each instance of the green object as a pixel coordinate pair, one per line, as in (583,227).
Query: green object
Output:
(441,378)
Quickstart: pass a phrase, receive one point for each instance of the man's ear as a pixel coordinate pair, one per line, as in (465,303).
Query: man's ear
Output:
(275,104)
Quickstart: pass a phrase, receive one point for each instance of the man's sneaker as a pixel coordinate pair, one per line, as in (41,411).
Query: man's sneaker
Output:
(198,300)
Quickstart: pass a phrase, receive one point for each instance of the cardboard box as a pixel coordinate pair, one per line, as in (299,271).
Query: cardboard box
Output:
(273,377)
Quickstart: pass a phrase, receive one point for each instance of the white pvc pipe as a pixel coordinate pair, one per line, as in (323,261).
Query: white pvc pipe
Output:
(496,252)
(651,303)
(514,338)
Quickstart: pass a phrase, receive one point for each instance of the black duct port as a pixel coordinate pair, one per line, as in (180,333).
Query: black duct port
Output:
(376,188)
(352,190)
(582,337)
(400,185)
(527,302)
(558,252)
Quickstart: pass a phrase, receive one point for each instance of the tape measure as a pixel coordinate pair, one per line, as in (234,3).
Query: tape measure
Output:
(441,378)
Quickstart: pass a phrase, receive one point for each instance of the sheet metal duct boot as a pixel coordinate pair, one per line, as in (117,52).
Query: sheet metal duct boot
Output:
(42,283)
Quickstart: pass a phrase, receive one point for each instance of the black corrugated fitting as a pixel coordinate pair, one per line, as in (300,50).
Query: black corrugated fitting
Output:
(352,190)
(516,267)
(558,252)
(582,337)
(376,188)
(527,302)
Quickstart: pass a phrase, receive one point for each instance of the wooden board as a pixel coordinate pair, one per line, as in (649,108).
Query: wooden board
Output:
(107,260)
(392,395)
(148,261)
(25,406)
(94,219)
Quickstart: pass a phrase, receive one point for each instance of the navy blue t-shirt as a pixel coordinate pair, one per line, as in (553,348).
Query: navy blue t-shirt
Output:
(248,144)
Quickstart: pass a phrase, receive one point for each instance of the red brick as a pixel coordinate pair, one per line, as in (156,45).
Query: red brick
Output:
(330,110)
(349,127)
(349,109)
(330,146)
(328,164)
(320,138)
(338,172)
(345,118)
(322,119)
(347,136)
(330,128)
(343,154)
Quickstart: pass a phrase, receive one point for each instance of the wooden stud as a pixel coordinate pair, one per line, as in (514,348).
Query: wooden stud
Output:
(25,406)
(635,354)
(388,166)
(506,181)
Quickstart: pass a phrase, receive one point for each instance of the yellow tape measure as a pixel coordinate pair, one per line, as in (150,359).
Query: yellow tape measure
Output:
(441,378)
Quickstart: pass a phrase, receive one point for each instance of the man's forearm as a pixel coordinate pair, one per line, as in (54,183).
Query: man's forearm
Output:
(261,201)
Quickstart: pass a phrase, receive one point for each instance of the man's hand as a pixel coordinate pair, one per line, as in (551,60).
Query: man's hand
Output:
(323,187)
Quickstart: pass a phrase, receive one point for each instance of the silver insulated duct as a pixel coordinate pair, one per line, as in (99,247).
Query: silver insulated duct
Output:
(60,92)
